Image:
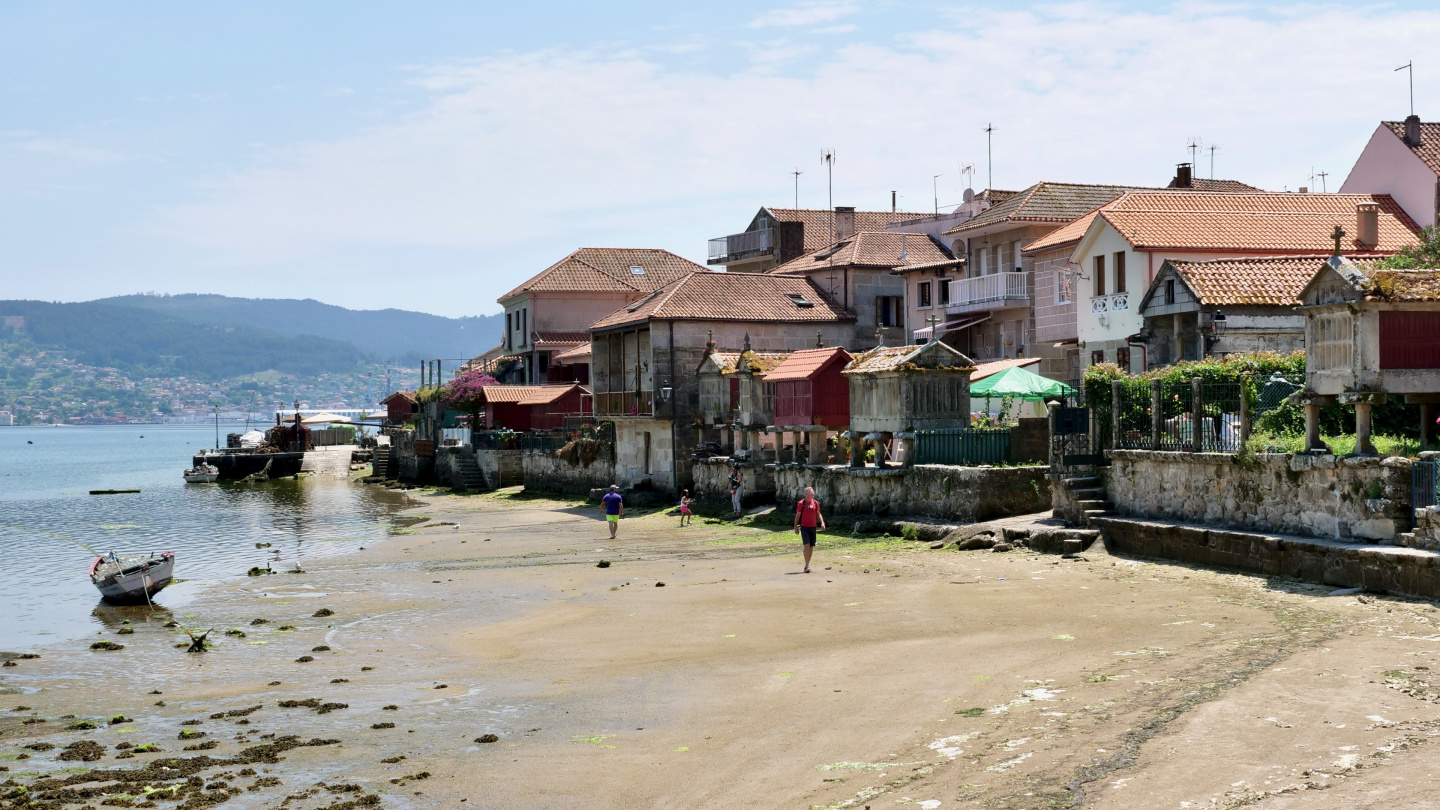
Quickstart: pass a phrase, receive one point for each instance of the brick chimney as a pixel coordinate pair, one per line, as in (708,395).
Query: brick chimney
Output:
(1182,175)
(844,221)
(1412,131)
(1367,223)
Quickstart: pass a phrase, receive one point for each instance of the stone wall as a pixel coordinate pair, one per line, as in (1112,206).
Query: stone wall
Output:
(1313,495)
(632,464)
(712,483)
(408,466)
(960,494)
(502,468)
(547,472)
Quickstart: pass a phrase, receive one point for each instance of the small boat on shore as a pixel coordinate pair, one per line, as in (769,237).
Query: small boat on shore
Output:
(132,578)
(202,473)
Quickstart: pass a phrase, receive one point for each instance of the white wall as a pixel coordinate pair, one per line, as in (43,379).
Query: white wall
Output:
(1387,166)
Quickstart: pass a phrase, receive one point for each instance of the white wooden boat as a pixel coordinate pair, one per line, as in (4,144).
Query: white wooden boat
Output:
(132,578)
(202,474)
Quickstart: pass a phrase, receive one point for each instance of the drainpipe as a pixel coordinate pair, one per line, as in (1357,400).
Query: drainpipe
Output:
(674,456)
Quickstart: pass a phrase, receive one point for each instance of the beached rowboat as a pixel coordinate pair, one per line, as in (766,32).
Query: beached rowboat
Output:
(132,578)
(202,474)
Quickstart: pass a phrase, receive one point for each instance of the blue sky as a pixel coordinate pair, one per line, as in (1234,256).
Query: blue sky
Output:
(429,156)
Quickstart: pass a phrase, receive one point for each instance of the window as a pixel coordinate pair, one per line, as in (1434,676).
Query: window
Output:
(1097,357)
(509,332)
(889,311)
(524,334)
(799,300)
(1169,290)
(1064,285)
(1120,271)
(762,223)
(944,285)
(922,294)
(1122,358)
(637,270)
(543,366)
(1099,276)
(1016,259)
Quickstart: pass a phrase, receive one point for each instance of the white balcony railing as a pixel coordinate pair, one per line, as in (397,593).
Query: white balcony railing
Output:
(1119,302)
(966,292)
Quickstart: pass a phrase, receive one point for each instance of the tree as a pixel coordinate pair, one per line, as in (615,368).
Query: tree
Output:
(1424,256)
(467,393)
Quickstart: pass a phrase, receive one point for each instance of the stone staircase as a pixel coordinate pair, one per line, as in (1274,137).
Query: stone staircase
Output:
(469,473)
(1090,498)
(381,462)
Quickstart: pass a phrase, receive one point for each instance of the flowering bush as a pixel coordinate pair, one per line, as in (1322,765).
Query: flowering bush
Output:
(466,392)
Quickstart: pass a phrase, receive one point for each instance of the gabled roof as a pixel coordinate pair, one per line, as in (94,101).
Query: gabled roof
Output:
(1268,281)
(753,362)
(1271,222)
(1064,236)
(993,367)
(527,394)
(579,354)
(1429,149)
(408,396)
(817,222)
(550,339)
(608,270)
(707,296)
(892,358)
(878,249)
(1226,186)
(1044,202)
(724,362)
(802,364)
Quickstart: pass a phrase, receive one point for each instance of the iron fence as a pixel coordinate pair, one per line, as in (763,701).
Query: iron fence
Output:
(962,446)
(1131,415)
(1275,390)
(1222,411)
(1423,483)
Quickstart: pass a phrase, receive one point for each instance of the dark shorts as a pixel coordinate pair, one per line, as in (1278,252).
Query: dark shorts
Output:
(807,535)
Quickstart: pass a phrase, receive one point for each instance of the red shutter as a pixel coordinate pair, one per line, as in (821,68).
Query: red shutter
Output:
(1409,339)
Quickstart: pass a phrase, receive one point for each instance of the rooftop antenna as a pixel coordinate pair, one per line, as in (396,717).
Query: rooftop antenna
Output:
(797,174)
(935,190)
(1410,66)
(968,171)
(989,158)
(1193,145)
(1324,189)
(827,156)
(1312,178)
(1213,148)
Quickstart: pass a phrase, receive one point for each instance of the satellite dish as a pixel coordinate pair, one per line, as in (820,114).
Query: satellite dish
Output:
(969,195)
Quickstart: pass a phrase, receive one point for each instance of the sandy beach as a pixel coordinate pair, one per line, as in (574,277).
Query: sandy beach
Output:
(892,674)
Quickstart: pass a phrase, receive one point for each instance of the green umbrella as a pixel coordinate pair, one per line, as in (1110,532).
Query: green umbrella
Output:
(1017,382)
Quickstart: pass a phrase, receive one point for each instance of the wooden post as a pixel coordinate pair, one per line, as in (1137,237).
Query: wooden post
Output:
(1197,413)
(1312,426)
(1115,402)
(1157,412)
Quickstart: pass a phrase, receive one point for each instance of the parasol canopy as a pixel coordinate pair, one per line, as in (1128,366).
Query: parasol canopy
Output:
(1017,382)
(324,419)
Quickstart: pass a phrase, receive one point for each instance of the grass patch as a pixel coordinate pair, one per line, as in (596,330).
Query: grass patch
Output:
(974,712)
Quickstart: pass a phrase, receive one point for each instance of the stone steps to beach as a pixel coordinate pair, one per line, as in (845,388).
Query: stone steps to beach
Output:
(470,474)
(332,461)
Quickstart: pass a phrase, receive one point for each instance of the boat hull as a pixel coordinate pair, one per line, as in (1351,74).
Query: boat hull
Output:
(201,478)
(135,585)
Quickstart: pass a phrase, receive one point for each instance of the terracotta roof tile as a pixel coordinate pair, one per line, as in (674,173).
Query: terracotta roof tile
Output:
(1270,222)
(707,296)
(1045,202)
(1429,149)
(527,394)
(800,365)
(547,339)
(763,362)
(983,370)
(1268,281)
(608,270)
(1067,235)
(579,354)
(1226,186)
(890,358)
(817,222)
(880,249)
(727,360)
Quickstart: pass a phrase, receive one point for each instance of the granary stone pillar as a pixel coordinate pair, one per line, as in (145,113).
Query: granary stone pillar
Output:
(877,443)
(907,448)
(757,446)
(857,448)
(1427,423)
(796,454)
(1312,402)
(1364,402)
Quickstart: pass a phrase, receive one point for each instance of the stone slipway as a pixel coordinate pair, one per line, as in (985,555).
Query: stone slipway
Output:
(1384,569)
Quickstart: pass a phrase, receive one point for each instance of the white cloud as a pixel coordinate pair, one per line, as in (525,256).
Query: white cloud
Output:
(809,13)
(516,159)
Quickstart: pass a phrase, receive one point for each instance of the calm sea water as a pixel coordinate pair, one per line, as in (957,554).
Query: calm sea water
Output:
(46,514)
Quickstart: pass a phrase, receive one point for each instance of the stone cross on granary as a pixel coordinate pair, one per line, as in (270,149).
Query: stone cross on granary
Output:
(932,320)
(879,337)
(820,340)
(1337,235)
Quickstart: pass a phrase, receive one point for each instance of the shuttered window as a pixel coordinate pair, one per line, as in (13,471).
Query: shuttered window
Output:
(1409,340)
(1099,276)
(1120,271)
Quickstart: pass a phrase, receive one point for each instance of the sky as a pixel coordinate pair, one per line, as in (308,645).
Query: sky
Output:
(431,156)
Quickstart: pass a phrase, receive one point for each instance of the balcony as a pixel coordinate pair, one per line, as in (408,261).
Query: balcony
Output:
(995,291)
(625,403)
(739,246)
(1119,302)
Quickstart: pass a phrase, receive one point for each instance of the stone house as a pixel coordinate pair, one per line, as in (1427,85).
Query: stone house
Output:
(646,358)
(735,396)
(1129,238)
(895,391)
(864,272)
(1370,334)
(1402,159)
(778,235)
(1195,310)
(551,312)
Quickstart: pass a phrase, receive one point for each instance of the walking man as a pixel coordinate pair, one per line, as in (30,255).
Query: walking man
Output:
(614,508)
(735,489)
(807,517)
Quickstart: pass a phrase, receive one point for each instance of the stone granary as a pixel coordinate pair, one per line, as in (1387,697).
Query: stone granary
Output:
(896,391)
(735,397)
(1370,334)
(646,358)
(812,399)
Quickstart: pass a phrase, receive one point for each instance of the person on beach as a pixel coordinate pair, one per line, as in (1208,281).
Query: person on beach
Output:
(685,516)
(613,505)
(735,490)
(807,518)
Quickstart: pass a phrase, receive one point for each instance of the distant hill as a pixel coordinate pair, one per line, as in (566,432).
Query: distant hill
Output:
(148,343)
(389,334)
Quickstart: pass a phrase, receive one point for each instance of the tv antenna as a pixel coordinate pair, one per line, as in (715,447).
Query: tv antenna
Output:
(827,157)
(989,158)
(935,190)
(1322,175)
(797,174)
(1212,148)
(1410,66)
(968,170)
(1193,145)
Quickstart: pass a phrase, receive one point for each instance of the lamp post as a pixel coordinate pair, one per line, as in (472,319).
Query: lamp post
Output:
(216,410)
(1217,331)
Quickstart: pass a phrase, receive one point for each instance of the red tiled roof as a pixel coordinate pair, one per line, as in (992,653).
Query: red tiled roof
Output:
(580,353)
(706,296)
(890,358)
(408,396)
(1045,202)
(1262,223)
(1268,281)
(1429,149)
(608,270)
(1066,235)
(800,365)
(551,338)
(1226,186)
(527,394)
(880,249)
(763,362)
(983,370)
(817,222)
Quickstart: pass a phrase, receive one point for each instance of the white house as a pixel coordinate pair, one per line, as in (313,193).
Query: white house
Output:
(1402,159)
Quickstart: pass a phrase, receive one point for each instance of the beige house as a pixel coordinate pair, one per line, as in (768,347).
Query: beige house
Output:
(1402,160)
(551,312)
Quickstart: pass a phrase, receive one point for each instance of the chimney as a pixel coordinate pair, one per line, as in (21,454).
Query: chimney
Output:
(1412,131)
(844,221)
(1367,221)
(1182,175)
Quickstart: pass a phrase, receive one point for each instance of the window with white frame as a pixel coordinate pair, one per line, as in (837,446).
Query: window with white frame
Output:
(1065,284)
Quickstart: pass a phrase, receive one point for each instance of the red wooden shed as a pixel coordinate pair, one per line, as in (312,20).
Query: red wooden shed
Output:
(401,406)
(809,389)
(534,407)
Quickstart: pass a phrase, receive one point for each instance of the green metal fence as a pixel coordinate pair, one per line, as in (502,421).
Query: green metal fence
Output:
(962,446)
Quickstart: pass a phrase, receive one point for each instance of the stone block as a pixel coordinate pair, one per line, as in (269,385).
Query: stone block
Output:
(1379,528)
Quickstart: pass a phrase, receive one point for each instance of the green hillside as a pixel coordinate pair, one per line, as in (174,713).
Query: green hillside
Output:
(391,334)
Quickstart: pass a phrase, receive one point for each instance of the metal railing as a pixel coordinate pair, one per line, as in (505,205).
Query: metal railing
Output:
(1189,416)
(962,446)
(984,289)
(737,243)
(458,435)
(624,403)
(1423,481)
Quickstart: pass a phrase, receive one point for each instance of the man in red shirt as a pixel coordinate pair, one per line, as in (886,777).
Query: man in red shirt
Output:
(807,517)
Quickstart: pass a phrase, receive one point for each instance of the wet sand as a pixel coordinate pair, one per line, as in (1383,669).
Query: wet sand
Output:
(892,674)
